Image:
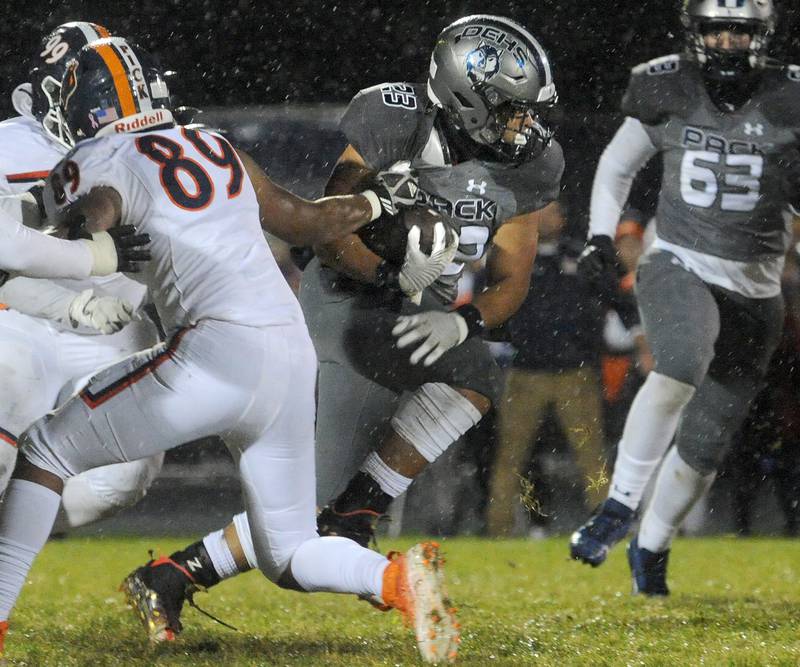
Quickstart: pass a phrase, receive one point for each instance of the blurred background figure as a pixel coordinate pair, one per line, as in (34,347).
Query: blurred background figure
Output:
(557,333)
(627,359)
(767,448)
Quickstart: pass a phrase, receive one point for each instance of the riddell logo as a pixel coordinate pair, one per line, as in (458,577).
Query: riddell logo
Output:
(141,121)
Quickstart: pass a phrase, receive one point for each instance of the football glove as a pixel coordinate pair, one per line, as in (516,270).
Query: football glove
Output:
(390,190)
(118,249)
(598,261)
(437,332)
(420,270)
(106,314)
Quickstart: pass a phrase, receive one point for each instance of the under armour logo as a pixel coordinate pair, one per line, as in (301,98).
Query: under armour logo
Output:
(757,129)
(472,186)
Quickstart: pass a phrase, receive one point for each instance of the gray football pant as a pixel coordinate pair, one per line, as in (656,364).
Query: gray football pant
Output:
(714,339)
(362,374)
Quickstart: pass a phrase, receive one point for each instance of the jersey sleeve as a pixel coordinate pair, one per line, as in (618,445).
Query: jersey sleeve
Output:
(30,253)
(89,165)
(380,123)
(537,183)
(38,298)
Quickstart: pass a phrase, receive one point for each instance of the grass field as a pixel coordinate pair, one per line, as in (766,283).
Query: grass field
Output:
(734,602)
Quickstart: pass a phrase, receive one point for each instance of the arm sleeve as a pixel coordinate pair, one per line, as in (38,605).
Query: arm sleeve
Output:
(38,298)
(628,152)
(31,253)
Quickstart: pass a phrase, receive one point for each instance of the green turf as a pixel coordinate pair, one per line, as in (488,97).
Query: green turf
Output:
(734,602)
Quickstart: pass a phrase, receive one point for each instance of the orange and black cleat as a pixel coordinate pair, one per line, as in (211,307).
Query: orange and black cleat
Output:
(413,583)
(156,592)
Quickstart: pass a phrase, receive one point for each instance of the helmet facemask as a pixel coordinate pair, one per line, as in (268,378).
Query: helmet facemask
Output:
(520,131)
(738,58)
(51,119)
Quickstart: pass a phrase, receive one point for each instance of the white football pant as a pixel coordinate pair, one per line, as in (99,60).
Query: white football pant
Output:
(41,366)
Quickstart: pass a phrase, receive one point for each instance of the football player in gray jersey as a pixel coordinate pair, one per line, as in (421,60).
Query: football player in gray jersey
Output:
(723,118)
(479,138)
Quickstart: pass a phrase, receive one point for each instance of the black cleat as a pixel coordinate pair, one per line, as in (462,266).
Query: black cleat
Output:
(357,525)
(156,592)
(609,524)
(648,570)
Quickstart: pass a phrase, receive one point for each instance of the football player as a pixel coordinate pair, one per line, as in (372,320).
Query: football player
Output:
(239,361)
(46,354)
(723,117)
(480,138)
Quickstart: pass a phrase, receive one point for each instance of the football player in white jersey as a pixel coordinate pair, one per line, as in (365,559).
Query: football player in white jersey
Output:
(239,362)
(39,340)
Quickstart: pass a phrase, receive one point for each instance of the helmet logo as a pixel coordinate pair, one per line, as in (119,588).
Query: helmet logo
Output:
(483,63)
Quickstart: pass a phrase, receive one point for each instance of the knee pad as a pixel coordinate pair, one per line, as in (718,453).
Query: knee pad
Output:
(433,418)
(103,491)
(668,392)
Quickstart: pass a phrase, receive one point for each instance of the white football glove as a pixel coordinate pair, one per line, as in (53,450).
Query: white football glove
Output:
(420,270)
(437,330)
(106,314)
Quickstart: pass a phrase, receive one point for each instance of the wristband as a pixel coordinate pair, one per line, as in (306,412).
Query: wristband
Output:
(387,276)
(472,316)
(374,202)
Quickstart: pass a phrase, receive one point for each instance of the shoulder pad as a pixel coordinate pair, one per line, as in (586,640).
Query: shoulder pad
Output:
(538,182)
(657,66)
(381,122)
(779,94)
(655,90)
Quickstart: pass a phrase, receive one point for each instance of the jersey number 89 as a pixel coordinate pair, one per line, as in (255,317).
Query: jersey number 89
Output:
(176,168)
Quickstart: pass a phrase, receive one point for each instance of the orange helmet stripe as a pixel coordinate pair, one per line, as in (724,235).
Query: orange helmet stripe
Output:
(120,76)
(101,30)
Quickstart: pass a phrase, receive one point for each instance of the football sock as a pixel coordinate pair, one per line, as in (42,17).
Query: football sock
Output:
(363,492)
(26,518)
(220,555)
(649,429)
(338,565)
(197,561)
(390,481)
(678,488)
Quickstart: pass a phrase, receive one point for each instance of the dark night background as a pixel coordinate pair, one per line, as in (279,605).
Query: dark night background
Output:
(245,52)
(304,51)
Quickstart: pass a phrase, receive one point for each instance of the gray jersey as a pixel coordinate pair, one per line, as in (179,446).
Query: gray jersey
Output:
(721,190)
(395,122)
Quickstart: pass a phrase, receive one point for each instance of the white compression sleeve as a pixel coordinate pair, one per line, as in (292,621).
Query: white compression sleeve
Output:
(628,152)
(38,298)
(649,427)
(31,253)
(678,488)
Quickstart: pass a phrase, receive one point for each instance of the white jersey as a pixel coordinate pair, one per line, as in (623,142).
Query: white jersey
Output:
(188,190)
(26,156)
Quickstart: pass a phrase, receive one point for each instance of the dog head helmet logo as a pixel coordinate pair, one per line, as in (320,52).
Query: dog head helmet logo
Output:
(483,63)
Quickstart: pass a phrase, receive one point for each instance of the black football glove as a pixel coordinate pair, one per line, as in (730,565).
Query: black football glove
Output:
(598,262)
(395,189)
(131,248)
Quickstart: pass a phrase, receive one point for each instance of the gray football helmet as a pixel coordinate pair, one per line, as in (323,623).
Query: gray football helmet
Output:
(756,17)
(487,70)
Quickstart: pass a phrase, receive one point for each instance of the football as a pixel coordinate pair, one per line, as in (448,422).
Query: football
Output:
(386,236)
